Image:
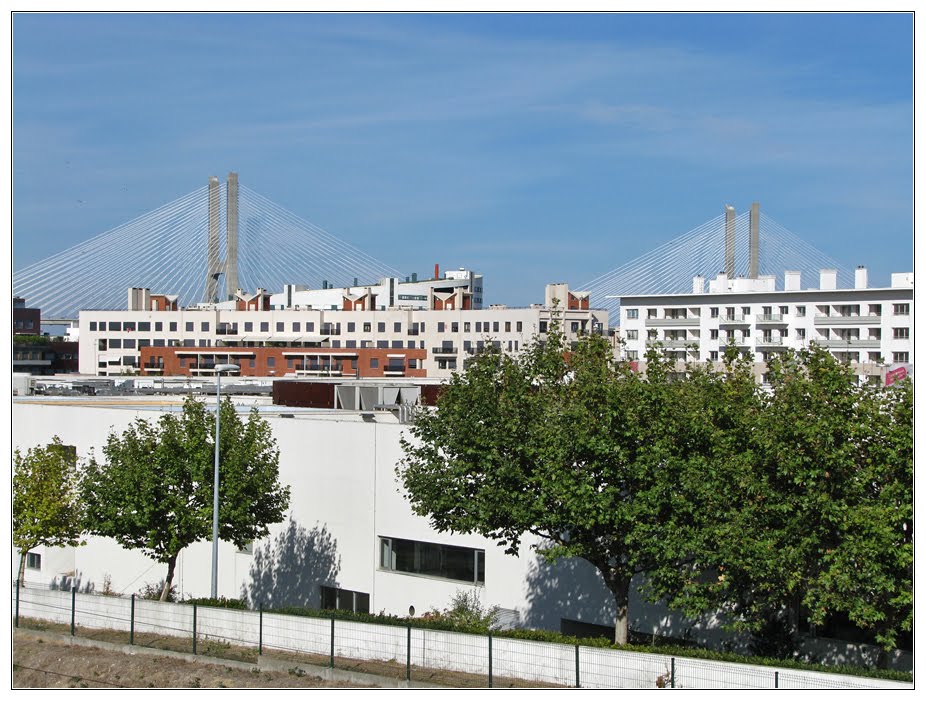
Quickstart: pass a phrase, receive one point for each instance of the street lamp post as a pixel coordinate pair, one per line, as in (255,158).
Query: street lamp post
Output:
(219,369)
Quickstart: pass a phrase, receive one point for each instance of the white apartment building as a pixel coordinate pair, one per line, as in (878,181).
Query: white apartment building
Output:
(871,328)
(390,293)
(110,340)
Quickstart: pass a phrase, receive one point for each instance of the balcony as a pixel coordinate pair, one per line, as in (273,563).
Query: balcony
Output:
(849,343)
(444,351)
(733,321)
(839,320)
(769,341)
(673,342)
(394,371)
(771,320)
(693,321)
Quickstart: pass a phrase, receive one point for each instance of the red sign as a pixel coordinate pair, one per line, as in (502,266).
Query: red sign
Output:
(895,375)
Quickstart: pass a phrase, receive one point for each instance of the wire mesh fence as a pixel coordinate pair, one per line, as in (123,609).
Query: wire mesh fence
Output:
(398,652)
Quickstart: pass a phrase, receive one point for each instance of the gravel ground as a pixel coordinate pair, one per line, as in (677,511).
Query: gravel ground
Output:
(46,663)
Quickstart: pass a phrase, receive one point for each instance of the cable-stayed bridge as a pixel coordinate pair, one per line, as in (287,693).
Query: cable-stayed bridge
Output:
(177,249)
(744,245)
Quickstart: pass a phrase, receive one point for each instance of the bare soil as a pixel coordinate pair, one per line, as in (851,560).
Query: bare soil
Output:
(46,663)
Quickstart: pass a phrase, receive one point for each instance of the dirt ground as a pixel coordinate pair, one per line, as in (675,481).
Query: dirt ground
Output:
(46,663)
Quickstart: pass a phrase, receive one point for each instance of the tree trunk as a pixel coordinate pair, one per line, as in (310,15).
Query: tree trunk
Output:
(22,567)
(619,586)
(171,566)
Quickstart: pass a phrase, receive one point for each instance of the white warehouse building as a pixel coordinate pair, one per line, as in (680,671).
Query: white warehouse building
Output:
(869,327)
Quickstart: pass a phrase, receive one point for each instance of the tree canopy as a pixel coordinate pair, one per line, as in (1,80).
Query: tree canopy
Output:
(46,507)
(154,492)
(727,495)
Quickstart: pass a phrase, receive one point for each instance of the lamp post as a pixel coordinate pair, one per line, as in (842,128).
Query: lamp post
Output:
(219,369)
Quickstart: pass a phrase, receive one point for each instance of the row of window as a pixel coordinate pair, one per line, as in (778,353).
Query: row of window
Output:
(900,309)
(433,560)
(297,327)
(873,356)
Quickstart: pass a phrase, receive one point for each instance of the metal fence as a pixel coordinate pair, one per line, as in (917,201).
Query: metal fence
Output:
(400,652)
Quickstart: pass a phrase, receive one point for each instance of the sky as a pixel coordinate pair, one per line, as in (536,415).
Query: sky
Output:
(532,148)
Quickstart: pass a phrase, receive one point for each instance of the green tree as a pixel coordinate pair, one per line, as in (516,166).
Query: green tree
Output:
(46,508)
(814,507)
(154,492)
(590,456)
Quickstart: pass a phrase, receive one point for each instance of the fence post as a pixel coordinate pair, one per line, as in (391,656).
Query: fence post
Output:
(260,630)
(331,663)
(490,660)
(73,607)
(578,685)
(17,603)
(194,629)
(673,673)
(408,653)
(776,678)
(132,622)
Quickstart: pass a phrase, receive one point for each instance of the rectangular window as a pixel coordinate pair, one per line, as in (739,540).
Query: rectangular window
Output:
(116,326)
(265,326)
(874,310)
(93,326)
(158,325)
(374,363)
(397,327)
(902,332)
(715,334)
(518,326)
(297,326)
(189,326)
(633,335)
(351,327)
(801,311)
(466,326)
(34,561)
(715,355)
(117,343)
(478,327)
(144,325)
(902,357)
(248,326)
(440,327)
(433,560)
(367,326)
(381,327)
(902,309)
(455,327)
(279,327)
(715,312)
(271,363)
(204,326)
(494,327)
(746,311)
(334,599)
(310,326)
(128,343)
(543,327)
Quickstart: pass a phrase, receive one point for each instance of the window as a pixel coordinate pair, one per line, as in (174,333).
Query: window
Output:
(746,311)
(172,326)
(575,327)
(518,326)
(650,313)
(333,599)
(801,333)
(271,362)
(34,561)
(495,327)
(92,326)
(128,343)
(543,327)
(204,326)
(632,355)
(189,326)
(455,327)
(381,327)
(715,355)
(158,325)
(351,327)
(633,335)
(631,314)
(432,560)
(279,327)
(801,311)
(374,363)
(297,326)
(265,326)
(715,312)
(902,332)
(466,326)
(715,334)
(367,326)
(902,357)
(117,343)
(248,326)
(902,309)
(116,326)
(440,327)
(874,310)
(783,310)
(310,326)
(397,327)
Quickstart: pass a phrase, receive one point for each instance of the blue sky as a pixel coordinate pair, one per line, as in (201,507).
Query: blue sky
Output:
(531,148)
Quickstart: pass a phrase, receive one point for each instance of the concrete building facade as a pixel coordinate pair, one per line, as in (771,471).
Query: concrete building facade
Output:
(111,342)
(871,328)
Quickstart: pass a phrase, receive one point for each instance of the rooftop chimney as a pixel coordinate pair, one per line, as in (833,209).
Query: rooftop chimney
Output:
(828,279)
(861,277)
(697,285)
(792,280)
(437,271)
